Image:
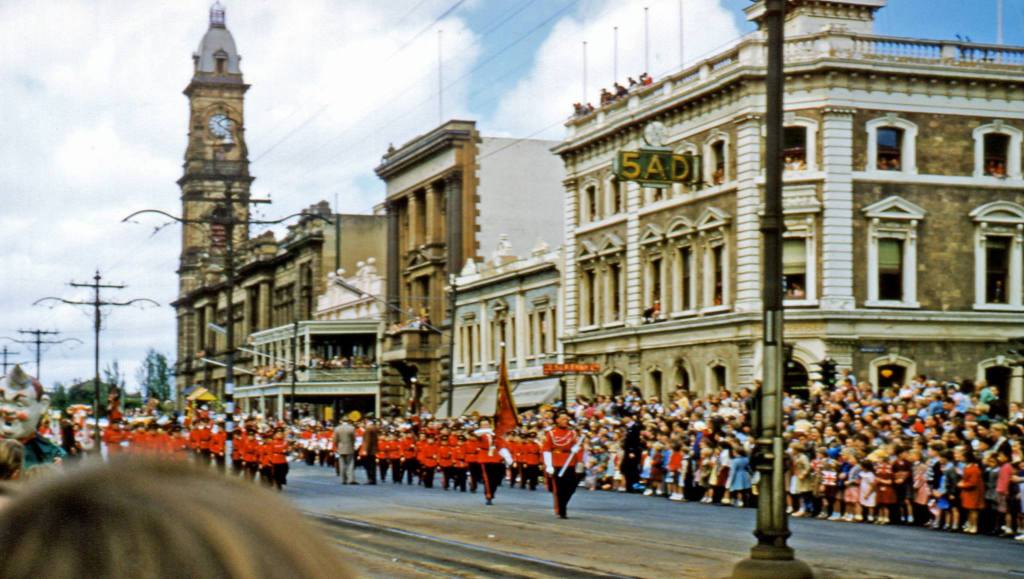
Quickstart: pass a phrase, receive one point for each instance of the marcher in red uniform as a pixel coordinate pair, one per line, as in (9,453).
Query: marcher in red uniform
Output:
(562,449)
(384,450)
(493,458)
(266,467)
(238,444)
(277,453)
(459,463)
(426,455)
(445,461)
(113,436)
(251,454)
(217,445)
(530,456)
(410,460)
(472,447)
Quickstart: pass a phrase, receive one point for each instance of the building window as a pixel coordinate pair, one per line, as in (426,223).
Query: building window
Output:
(653,304)
(588,296)
(794,154)
(892,145)
(999,256)
(794,268)
(890,269)
(615,189)
(718,276)
(997,269)
(892,252)
(717,162)
(542,333)
(890,149)
(684,279)
(997,151)
(590,203)
(615,292)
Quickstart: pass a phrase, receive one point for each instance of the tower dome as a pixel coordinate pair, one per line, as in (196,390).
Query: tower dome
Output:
(217,53)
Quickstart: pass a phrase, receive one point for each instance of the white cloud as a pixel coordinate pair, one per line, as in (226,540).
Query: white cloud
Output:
(94,127)
(545,95)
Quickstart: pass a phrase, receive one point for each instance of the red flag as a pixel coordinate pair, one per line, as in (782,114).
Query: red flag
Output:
(505,416)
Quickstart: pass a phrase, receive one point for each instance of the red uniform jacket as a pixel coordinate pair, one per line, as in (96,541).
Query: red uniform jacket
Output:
(488,450)
(530,453)
(426,453)
(559,442)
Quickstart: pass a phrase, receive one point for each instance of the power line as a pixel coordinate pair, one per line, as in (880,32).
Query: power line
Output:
(37,342)
(96,303)
(7,353)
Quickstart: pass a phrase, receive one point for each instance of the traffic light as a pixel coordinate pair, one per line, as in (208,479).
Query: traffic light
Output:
(828,372)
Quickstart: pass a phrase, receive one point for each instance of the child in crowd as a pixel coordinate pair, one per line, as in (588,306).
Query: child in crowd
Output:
(868,490)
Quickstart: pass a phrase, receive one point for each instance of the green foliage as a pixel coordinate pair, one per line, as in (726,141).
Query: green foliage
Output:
(155,376)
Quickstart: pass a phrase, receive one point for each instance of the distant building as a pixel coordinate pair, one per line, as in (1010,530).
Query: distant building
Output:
(511,301)
(451,192)
(903,200)
(277,280)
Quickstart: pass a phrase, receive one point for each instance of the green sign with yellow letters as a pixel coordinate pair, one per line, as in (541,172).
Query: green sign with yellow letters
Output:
(657,167)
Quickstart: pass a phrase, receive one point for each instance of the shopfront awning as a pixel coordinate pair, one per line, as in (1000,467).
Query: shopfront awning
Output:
(484,403)
(201,394)
(461,399)
(533,393)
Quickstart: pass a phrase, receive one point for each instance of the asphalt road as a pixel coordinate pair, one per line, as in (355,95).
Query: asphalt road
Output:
(392,530)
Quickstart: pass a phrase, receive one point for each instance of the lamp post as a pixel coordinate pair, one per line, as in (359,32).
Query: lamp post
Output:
(451,343)
(771,556)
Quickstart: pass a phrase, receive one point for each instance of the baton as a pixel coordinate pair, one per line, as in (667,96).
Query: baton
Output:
(565,466)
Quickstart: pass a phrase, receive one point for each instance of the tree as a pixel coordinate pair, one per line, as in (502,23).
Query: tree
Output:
(112,376)
(154,376)
(59,397)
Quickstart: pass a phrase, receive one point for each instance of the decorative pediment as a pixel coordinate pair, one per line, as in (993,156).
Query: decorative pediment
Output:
(611,243)
(712,218)
(894,208)
(587,250)
(679,227)
(651,234)
(999,212)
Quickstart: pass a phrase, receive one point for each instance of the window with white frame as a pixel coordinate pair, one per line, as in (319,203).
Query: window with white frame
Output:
(800,144)
(997,151)
(712,227)
(616,198)
(684,290)
(678,189)
(799,262)
(615,296)
(589,203)
(716,158)
(892,145)
(589,296)
(892,252)
(998,256)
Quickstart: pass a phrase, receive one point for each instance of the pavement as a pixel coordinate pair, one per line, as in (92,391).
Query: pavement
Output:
(389,530)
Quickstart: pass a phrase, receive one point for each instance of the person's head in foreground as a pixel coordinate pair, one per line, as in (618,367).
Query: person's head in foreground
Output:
(142,520)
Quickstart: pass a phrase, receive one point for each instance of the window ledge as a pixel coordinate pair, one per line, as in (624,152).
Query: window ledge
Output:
(589,328)
(892,304)
(603,222)
(614,325)
(799,303)
(683,314)
(999,307)
(715,309)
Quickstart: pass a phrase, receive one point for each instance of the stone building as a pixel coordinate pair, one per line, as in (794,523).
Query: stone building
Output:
(510,301)
(903,201)
(451,192)
(276,280)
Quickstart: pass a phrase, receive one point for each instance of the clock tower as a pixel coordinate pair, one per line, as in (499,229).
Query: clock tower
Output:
(216,159)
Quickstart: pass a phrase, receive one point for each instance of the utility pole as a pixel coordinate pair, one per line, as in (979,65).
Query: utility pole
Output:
(295,365)
(771,556)
(6,353)
(647,40)
(37,344)
(96,303)
(452,293)
(225,216)
(999,22)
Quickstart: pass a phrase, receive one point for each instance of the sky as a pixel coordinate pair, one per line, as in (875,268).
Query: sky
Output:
(94,123)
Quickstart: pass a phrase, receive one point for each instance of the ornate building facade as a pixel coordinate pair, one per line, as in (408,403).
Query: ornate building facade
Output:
(276,281)
(450,192)
(903,200)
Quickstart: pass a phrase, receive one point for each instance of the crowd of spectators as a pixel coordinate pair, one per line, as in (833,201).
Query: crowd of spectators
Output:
(617,92)
(943,455)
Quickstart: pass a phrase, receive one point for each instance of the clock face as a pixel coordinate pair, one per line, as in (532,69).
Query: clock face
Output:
(654,134)
(221,128)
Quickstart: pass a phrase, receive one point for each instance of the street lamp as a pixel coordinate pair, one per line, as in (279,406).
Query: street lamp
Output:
(771,556)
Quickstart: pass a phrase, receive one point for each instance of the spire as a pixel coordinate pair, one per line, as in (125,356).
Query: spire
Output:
(217,15)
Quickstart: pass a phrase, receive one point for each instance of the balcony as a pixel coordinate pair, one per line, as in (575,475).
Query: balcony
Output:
(337,375)
(411,343)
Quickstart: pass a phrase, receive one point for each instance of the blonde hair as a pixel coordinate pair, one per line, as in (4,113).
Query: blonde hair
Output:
(12,458)
(149,519)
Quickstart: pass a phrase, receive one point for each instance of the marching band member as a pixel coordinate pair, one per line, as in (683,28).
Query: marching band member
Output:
(562,448)
(493,458)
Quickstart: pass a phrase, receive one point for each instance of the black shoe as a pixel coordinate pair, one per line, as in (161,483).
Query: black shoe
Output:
(562,516)
(489,503)
(373,482)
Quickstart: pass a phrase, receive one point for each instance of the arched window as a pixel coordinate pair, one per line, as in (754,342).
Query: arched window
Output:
(716,159)
(997,150)
(998,253)
(800,144)
(892,145)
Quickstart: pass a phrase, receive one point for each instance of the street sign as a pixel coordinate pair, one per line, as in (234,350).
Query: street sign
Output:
(657,167)
(873,349)
(554,369)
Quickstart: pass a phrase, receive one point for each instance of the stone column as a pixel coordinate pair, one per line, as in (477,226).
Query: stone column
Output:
(1017,385)
(432,233)
(522,323)
(748,223)
(394,282)
(454,235)
(570,305)
(414,238)
(265,305)
(837,218)
(633,286)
